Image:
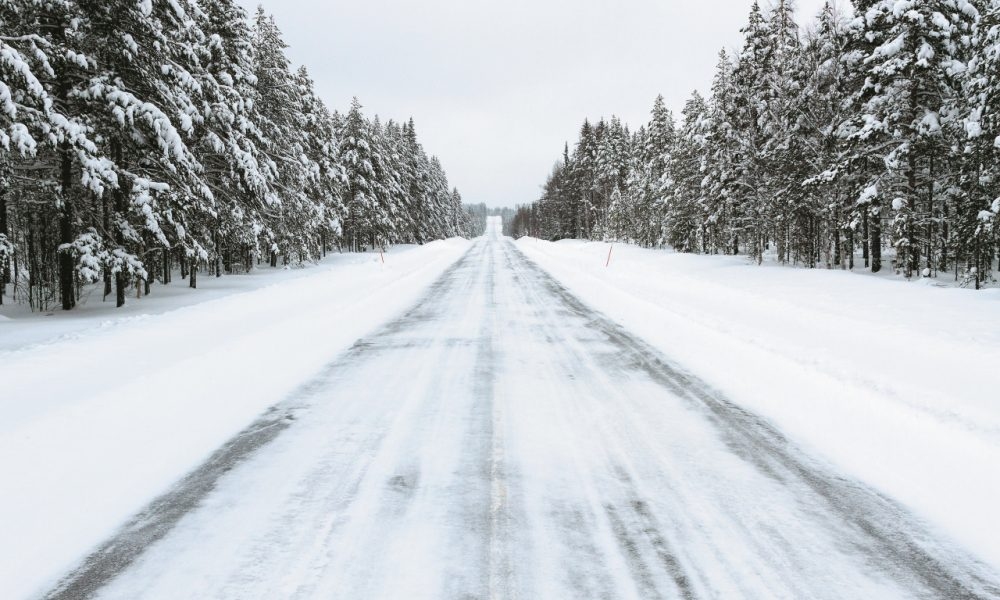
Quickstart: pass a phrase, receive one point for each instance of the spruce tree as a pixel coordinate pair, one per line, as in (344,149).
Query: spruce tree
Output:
(910,85)
(685,216)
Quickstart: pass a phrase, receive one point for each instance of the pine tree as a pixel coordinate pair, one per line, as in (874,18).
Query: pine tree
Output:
(905,107)
(612,166)
(229,141)
(382,218)
(685,215)
(653,160)
(791,218)
(976,233)
(720,184)
(137,134)
(822,105)
(355,157)
(808,141)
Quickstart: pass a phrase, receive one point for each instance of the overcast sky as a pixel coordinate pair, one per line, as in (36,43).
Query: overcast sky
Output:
(495,87)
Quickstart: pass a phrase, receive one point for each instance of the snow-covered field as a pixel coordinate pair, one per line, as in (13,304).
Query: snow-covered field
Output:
(893,383)
(101,412)
(22,328)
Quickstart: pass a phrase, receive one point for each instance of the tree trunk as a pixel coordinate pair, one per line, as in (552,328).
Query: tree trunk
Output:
(837,258)
(119,289)
(850,249)
(875,233)
(865,237)
(5,264)
(66,291)
(929,233)
(106,218)
(65,153)
(218,255)
(977,262)
(32,267)
(166,266)
(120,196)
(943,234)
(193,281)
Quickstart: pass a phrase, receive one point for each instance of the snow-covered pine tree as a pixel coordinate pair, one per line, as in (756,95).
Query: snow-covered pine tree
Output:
(281,121)
(142,98)
(584,175)
(752,100)
(557,213)
(40,56)
(382,218)
(440,196)
(356,159)
(917,51)
(414,175)
(858,168)
(26,115)
(721,162)
(685,219)
(790,215)
(322,208)
(976,231)
(613,157)
(807,142)
(620,217)
(134,130)
(653,159)
(229,140)
(636,190)
(822,105)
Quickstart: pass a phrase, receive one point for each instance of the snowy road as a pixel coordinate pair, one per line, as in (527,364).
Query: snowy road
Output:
(501,440)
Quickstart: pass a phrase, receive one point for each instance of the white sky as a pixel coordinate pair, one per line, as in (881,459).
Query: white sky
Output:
(495,87)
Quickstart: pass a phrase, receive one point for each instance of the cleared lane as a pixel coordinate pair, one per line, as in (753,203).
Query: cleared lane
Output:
(501,440)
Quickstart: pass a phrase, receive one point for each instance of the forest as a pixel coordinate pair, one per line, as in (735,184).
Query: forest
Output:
(870,137)
(139,139)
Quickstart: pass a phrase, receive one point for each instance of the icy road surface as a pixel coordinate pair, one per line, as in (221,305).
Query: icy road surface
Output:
(501,440)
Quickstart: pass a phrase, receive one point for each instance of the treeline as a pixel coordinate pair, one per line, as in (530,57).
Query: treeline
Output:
(864,137)
(138,137)
(480,212)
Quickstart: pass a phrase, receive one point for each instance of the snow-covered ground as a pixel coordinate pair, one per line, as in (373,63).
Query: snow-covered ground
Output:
(501,439)
(446,427)
(101,412)
(894,383)
(20,327)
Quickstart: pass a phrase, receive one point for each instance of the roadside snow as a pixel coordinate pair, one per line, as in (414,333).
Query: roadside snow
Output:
(23,328)
(98,422)
(895,384)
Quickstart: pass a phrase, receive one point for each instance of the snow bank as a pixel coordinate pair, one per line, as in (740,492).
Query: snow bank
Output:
(894,384)
(24,328)
(95,426)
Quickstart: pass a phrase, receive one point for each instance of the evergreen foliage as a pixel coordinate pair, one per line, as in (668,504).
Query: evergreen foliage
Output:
(857,138)
(139,136)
